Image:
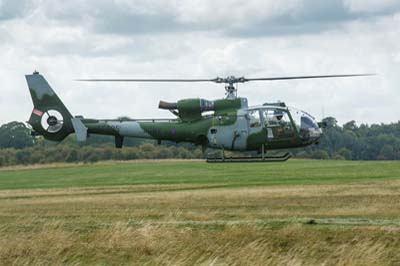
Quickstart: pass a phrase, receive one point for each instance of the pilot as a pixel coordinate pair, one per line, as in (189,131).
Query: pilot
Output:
(278,115)
(276,118)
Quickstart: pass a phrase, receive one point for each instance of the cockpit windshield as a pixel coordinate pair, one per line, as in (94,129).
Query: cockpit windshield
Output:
(284,123)
(302,119)
(306,124)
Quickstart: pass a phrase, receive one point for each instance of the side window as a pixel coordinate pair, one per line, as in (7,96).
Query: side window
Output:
(278,123)
(254,119)
(270,117)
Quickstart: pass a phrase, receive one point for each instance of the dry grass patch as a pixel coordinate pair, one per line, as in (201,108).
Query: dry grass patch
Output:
(121,244)
(185,222)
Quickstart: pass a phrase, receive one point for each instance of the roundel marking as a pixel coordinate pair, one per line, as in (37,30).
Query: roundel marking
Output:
(52,121)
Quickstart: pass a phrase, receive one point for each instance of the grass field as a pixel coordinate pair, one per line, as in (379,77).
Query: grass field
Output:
(193,213)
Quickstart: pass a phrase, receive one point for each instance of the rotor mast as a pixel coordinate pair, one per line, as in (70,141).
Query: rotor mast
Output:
(231,91)
(231,86)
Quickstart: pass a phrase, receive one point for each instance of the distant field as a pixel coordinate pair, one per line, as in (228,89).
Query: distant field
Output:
(192,213)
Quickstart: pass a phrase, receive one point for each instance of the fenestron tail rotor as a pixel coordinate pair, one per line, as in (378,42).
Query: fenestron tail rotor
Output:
(52,121)
(230,81)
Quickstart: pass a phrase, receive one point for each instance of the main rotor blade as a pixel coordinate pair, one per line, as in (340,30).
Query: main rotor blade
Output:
(146,80)
(309,77)
(227,80)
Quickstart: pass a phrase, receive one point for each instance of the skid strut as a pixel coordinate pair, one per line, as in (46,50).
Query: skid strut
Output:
(251,159)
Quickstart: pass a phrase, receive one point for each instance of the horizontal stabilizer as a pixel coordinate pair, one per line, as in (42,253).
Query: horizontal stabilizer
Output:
(80,129)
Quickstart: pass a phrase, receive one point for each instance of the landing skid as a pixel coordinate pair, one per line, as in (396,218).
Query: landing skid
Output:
(251,159)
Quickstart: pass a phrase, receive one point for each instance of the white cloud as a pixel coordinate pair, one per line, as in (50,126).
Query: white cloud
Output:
(64,42)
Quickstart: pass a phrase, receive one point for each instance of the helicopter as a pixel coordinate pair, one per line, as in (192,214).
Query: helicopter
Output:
(225,124)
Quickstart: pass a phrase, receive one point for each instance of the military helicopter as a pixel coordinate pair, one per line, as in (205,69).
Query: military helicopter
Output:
(226,124)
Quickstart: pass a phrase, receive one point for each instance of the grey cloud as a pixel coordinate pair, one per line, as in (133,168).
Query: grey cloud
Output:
(163,17)
(10,9)
(128,23)
(314,17)
(311,17)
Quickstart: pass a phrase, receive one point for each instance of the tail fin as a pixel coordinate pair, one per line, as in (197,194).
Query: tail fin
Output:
(49,117)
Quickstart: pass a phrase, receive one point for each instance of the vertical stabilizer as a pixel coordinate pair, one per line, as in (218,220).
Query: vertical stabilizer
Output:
(49,117)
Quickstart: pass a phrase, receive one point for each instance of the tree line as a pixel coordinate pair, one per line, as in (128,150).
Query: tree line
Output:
(347,142)
(352,142)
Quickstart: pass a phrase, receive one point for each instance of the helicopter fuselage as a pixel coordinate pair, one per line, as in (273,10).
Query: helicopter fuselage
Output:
(227,124)
(243,129)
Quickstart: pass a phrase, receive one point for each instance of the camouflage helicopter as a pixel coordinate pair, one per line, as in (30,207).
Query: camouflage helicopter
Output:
(226,124)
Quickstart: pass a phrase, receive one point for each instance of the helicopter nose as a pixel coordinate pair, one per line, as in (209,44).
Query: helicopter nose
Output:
(315,133)
(311,134)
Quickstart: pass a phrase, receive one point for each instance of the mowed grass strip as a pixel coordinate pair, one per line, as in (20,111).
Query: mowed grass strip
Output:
(372,203)
(172,173)
(193,213)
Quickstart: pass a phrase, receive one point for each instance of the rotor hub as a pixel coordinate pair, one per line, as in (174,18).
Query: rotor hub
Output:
(231,87)
(52,120)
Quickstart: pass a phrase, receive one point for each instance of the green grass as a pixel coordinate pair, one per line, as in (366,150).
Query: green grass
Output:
(297,172)
(194,213)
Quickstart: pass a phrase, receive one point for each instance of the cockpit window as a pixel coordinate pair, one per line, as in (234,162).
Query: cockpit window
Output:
(307,122)
(254,118)
(278,123)
(302,119)
(273,117)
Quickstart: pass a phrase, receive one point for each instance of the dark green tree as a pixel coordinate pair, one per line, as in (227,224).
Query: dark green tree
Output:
(15,135)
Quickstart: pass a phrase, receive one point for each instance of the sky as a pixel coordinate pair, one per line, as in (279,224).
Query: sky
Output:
(68,40)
